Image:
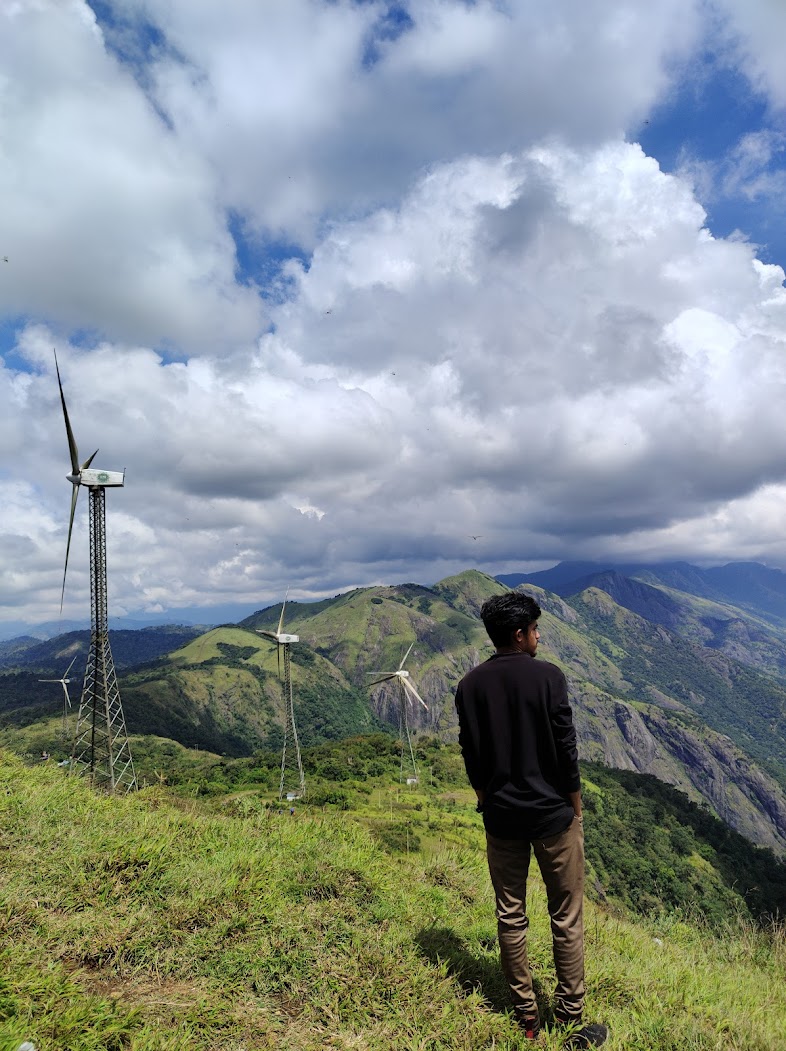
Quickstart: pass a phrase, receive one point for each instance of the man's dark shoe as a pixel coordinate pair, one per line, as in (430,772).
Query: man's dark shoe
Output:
(529,1024)
(592,1035)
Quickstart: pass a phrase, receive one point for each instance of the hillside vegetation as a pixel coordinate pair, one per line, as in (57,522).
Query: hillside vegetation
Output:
(645,697)
(648,847)
(222,692)
(148,923)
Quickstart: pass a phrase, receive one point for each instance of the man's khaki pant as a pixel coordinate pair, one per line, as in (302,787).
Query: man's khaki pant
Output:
(561,862)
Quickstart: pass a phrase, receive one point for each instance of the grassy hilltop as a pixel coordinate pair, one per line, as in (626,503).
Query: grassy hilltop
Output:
(152,923)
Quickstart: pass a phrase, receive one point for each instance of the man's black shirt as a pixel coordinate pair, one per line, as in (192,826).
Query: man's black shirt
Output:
(519,745)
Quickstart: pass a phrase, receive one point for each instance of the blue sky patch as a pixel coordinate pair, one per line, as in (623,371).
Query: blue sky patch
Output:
(10,327)
(134,41)
(259,260)
(700,129)
(136,44)
(393,23)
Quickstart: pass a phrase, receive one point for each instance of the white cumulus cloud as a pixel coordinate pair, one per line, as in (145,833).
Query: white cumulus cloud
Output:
(500,334)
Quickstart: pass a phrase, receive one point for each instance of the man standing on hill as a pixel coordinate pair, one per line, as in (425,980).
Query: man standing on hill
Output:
(519,745)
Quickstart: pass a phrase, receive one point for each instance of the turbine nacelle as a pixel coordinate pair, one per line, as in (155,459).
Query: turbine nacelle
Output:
(282,638)
(92,477)
(402,675)
(64,681)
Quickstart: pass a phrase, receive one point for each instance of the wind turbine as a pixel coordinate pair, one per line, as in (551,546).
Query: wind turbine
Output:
(293,783)
(407,693)
(66,699)
(101,741)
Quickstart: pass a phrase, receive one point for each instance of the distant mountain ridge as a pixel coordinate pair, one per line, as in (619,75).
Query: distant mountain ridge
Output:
(698,611)
(129,647)
(203,618)
(750,586)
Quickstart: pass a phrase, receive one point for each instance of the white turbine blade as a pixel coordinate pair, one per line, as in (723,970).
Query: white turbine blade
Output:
(68,669)
(73,452)
(385,678)
(403,659)
(88,461)
(281,618)
(65,690)
(409,687)
(269,634)
(72,449)
(74,495)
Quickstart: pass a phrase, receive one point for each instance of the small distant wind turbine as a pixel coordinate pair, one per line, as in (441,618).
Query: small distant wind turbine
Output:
(407,692)
(293,782)
(66,699)
(100,741)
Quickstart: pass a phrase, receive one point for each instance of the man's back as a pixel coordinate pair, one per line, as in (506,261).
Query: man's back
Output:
(519,744)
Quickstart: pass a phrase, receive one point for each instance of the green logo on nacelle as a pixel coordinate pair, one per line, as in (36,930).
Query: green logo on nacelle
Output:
(103,476)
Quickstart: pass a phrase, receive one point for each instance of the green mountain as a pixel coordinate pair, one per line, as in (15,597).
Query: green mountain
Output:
(15,647)
(222,692)
(667,701)
(748,637)
(370,630)
(24,662)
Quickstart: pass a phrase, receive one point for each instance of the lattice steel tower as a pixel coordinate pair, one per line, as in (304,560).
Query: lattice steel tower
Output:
(293,782)
(101,748)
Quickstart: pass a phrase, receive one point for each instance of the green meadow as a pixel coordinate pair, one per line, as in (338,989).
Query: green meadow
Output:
(174,919)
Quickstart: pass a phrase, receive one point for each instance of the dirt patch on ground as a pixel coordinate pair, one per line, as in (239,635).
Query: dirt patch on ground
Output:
(175,1005)
(142,990)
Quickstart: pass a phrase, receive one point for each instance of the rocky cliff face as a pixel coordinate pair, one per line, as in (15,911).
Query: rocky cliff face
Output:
(736,789)
(707,766)
(640,695)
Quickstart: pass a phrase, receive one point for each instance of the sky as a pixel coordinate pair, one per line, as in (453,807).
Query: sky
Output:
(364,292)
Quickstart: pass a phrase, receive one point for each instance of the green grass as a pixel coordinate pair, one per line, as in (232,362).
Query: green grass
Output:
(148,923)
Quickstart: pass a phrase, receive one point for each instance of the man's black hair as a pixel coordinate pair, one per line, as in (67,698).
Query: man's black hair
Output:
(503,614)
